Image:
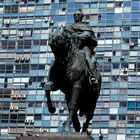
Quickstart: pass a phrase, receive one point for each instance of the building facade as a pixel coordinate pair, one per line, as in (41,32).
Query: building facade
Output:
(25,59)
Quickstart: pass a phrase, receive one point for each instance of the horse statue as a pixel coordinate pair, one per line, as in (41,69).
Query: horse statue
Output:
(70,75)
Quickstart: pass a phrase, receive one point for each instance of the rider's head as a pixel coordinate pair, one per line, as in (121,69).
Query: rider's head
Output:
(78,16)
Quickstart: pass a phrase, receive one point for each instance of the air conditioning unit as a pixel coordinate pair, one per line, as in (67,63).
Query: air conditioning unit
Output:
(11,108)
(20,35)
(125,70)
(25,1)
(22,59)
(17,60)
(26,121)
(27,60)
(44,130)
(46,19)
(122,58)
(7,23)
(32,121)
(23,96)
(30,81)
(132,44)
(87,20)
(6,36)
(16,108)
(99,15)
(51,22)
(64,9)
(109,59)
(19,96)
(17,1)
(26,85)
(14,96)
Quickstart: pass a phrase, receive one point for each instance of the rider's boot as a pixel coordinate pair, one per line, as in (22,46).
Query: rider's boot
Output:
(93,76)
(91,66)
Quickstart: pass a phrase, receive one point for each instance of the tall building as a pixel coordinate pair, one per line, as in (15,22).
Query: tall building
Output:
(25,58)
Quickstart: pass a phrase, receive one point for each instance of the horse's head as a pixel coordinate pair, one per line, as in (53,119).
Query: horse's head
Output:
(57,38)
(58,41)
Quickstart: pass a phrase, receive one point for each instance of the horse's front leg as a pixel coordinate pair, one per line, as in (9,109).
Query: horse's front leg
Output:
(48,88)
(72,105)
(73,101)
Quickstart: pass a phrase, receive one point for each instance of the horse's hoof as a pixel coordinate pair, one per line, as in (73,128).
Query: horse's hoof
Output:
(66,126)
(88,132)
(52,109)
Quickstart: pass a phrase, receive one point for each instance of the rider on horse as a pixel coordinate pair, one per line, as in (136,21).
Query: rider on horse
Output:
(84,38)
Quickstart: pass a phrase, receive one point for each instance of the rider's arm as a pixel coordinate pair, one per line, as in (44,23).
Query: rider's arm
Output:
(88,36)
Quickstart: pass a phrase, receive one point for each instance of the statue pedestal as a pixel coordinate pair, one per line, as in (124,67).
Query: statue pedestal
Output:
(57,136)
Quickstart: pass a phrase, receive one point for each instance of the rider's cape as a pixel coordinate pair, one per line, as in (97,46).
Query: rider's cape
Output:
(80,28)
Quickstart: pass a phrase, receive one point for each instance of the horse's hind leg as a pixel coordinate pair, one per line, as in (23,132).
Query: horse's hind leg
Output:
(73,101)
(76,122)
(86,124)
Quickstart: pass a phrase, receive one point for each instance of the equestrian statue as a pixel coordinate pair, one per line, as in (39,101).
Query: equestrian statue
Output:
(73,71)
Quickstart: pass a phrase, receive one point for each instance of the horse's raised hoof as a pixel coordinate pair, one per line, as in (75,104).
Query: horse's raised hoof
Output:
(52,109)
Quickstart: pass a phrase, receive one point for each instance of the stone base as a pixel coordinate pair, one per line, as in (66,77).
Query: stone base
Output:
(57,136)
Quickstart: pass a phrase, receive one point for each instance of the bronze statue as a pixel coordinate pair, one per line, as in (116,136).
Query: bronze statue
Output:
(72,70)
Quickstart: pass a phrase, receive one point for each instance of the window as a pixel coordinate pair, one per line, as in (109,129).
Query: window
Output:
(62,0)
(38,104)
(38,116)
(69,18)
(138,106)
(6,93)
(118,4)
(6,105)
(5,116)
(11,9)
(23,9)
(30,118)
(21,116)
(86,5)
(22,105)
(61,18)
(122,104)
(135,5)
(113,117)
(130,119)
(131,105)
(78,5)
(13,118)
(122,117)
(127,3)
(31,9)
